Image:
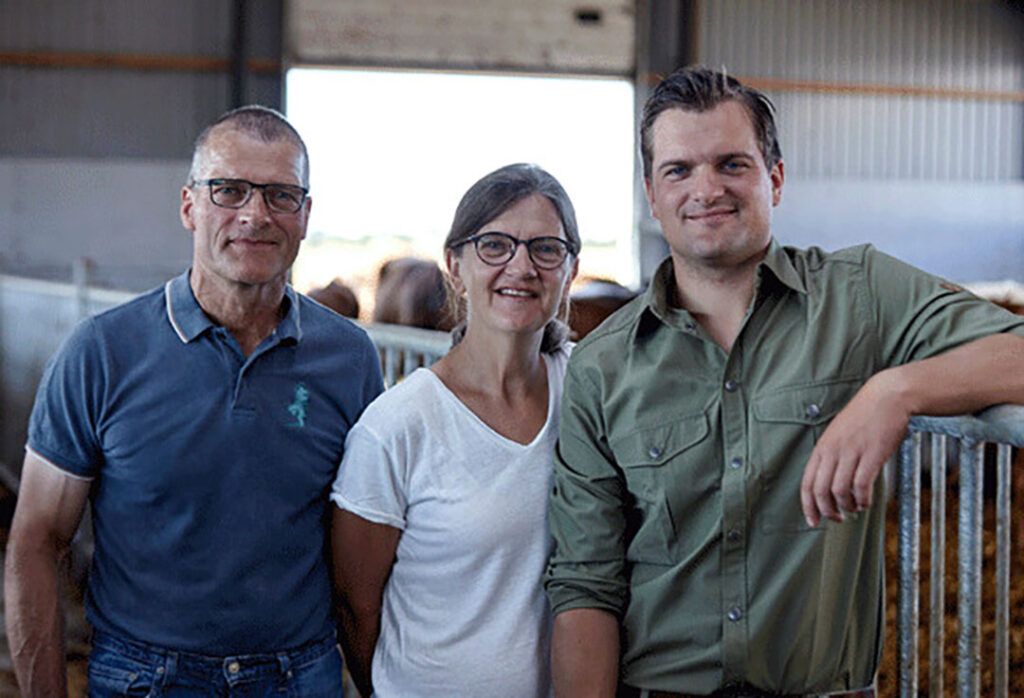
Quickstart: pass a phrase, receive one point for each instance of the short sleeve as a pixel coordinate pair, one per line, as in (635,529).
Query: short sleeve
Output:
(920,315)
(65,423)
(371,479)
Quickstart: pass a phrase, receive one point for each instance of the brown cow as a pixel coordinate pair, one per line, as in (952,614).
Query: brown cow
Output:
(338,297)
(596,300)
(412,292)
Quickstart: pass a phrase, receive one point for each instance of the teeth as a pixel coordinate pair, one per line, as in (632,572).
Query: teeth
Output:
(515,292)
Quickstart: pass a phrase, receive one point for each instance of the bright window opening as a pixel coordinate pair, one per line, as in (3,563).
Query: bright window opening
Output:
(393,152)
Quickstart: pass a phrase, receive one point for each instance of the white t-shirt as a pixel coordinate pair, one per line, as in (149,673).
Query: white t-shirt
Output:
(463,612)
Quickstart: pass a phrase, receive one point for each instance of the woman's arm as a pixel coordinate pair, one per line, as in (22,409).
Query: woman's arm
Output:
(363,553)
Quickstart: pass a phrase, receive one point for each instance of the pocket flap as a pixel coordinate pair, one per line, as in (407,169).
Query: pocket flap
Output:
(806,404)
(655,445)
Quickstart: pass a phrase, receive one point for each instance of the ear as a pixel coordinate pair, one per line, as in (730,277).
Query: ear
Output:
(453,262)
(185,211)
(778,176)
(306,208)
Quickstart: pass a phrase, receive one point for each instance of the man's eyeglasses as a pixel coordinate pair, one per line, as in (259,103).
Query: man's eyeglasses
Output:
(496,249)
(235,193)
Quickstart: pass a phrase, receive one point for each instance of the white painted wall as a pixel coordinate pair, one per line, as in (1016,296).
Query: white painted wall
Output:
(964,231)
(122,214)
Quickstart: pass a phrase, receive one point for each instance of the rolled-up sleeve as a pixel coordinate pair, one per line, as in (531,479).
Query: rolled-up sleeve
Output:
(587,508)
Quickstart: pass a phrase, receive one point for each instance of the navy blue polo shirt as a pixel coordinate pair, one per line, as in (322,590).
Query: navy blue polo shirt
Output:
(210,470)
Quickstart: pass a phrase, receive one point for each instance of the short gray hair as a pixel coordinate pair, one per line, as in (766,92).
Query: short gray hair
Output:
(262,123)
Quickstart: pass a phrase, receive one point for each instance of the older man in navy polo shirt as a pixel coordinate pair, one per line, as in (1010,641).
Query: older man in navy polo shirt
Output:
(204,421)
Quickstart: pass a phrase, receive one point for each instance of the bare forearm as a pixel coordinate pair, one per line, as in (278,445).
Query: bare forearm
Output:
(585,654)
(966,379)
(33,619)
(359,634)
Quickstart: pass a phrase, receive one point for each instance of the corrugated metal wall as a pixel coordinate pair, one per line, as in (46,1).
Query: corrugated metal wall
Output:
(962,64)
(123,112)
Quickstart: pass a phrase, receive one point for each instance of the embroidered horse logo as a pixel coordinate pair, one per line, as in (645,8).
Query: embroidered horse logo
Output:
(298,407)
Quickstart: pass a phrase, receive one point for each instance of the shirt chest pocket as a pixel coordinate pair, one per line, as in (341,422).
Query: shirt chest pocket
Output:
(787,423)
(667,474)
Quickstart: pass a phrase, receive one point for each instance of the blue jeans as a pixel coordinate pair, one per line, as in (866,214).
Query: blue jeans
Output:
(121,667)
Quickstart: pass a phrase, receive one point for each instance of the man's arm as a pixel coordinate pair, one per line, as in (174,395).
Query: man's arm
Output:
(844,464)
(363,554)
(50,507)
(585,654)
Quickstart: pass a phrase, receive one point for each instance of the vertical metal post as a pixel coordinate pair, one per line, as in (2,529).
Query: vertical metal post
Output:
(909,552)
(390,365)
(238,68)
(411,360)
(1002,658)
(80,269)
(969,574)
(937,615)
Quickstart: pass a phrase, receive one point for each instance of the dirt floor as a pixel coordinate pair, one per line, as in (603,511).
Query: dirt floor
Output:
(887,678)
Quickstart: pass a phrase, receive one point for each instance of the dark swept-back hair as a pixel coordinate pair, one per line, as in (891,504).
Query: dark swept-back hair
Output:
(491,196)
(696,88)
(262,123)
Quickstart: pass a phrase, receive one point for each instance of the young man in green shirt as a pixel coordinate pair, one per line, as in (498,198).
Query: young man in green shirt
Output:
(722,435)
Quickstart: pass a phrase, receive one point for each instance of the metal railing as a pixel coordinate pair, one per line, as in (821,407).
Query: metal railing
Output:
(1002,425)
(404,349)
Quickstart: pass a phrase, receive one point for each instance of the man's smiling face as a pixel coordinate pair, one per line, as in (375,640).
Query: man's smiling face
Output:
(709,186)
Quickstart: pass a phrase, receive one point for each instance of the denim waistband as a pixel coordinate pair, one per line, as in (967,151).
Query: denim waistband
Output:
(228,666)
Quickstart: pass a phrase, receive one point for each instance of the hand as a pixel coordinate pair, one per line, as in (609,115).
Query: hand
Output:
(841,472)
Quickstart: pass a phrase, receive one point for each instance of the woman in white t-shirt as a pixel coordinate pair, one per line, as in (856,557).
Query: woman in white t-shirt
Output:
(440,532)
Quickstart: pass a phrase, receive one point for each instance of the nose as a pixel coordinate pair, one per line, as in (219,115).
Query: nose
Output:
(707,184)
(521,261)
(255,209)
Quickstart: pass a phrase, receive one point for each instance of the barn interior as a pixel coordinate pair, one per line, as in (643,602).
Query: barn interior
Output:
(901,124)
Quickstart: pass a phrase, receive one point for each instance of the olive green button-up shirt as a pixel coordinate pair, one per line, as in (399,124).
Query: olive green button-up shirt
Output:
(676,501)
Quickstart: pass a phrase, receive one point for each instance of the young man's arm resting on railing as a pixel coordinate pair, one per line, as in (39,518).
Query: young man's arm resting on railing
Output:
(844,464)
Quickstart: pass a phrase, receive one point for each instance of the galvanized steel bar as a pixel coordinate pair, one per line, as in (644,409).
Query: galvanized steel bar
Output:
(937,614)
(1003,424)
(1003,520)
(411,360)
(909,553)
(969,575)
(391,374)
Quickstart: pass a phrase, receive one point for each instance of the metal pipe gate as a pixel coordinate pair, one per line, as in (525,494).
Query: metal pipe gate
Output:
(932,436)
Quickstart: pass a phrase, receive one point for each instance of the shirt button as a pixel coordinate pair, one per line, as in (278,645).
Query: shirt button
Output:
(734,535)
(812,411)
(735,613)
(736,462)
(655,452)
(689,327)
(234,668)
(731,385)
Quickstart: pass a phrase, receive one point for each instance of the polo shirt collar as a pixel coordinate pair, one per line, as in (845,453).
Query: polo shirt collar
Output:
(189,321)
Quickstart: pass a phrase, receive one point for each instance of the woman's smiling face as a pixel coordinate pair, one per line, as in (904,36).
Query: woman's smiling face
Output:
(517,296)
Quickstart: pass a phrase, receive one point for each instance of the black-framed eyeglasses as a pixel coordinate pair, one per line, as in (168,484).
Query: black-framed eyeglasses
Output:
(235,193)
(496,248)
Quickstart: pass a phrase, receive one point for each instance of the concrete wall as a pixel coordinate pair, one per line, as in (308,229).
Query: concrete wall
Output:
(35,317)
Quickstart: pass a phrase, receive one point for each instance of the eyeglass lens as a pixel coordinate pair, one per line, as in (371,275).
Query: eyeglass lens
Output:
(235,193)
(499,248)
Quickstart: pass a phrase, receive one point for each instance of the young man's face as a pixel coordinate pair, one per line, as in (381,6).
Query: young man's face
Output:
(709,187)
